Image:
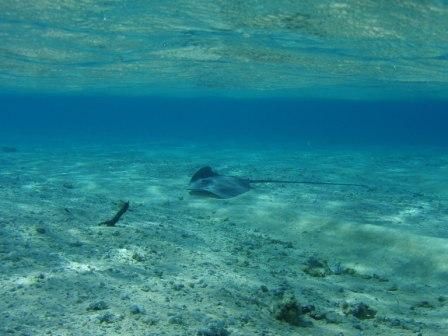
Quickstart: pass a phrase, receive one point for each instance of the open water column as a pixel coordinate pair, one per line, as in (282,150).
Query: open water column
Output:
(215,168)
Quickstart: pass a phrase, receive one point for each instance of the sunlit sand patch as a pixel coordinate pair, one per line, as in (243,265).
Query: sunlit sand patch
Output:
(334,204)
(78,267)
(374,30)
(154,191)
(29,207)
(126,256)
(32,186)
(29,280)
(146,224)
(81,164)
(203,204)
(405,214)
(339,5)
(76,232)
(89,185)
(268,209)
(376,243)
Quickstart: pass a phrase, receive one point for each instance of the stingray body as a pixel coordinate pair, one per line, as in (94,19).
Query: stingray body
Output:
(207,182)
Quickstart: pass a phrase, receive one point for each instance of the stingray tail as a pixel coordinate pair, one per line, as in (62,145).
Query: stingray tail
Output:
(311,182)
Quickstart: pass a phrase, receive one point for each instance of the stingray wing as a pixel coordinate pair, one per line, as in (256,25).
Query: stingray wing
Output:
(203,173)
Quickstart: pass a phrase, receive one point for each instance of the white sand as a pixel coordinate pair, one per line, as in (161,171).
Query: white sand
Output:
(175,264)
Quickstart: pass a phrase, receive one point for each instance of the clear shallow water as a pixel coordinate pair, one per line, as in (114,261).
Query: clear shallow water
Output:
(346,49)
(267,121)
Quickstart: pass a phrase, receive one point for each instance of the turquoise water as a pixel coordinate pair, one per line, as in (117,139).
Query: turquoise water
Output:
(346,49)
(107,110)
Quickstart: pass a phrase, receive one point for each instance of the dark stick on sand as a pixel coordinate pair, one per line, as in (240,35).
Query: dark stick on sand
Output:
(116,218)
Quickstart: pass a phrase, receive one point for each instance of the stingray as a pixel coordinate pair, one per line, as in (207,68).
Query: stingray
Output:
(207,182)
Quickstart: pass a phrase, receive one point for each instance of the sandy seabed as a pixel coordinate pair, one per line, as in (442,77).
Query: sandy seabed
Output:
(278,260)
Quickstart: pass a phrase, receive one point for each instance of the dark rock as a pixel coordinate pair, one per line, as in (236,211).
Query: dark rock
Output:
(136,309)
(392,288)
(100,305)
(76,244)
(380,278)
(245,318)
(41,230)
(146,288)
(350,271)
(138,257)
(150,321)
(288,310)
(316,315)
(264,289)
(281,290)
(178,287)
(360,311)
(316,267)
(394,322)
(308,309)
(107,318)
(337,269)
(177,319)
(214,329)
(423,304)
